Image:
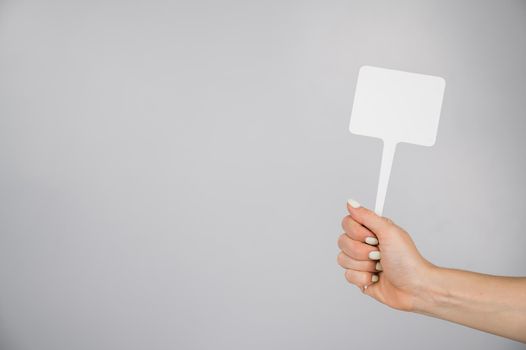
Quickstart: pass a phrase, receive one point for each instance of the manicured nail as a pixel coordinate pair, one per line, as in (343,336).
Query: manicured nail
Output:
(374,255)
(374,278)
(371,240)
(379,267)
(353,203)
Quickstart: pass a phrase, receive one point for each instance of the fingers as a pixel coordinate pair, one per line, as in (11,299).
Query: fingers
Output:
(358,232)
(357,250)
(360,278)
(377,224)
(347,262)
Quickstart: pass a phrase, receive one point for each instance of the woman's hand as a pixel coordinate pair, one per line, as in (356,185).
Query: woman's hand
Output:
(381,259)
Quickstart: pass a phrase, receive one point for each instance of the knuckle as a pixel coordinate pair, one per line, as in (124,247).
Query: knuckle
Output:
(341,259)
(345,222)
(351,248)
(342,241)
(349,276)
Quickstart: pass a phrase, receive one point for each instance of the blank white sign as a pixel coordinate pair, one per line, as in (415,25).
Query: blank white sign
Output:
(396,106)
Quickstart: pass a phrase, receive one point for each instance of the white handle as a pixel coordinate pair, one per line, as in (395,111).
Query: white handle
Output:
(385,172)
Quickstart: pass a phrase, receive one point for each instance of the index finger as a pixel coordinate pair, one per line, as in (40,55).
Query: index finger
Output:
(357,231)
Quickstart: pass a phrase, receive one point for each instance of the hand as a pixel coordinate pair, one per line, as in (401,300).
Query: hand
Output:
(400,275)
(382,260)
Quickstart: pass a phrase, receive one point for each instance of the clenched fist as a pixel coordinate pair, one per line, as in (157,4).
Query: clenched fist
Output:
(380,258)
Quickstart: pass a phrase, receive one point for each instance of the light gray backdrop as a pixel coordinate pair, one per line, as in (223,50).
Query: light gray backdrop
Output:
(173,174)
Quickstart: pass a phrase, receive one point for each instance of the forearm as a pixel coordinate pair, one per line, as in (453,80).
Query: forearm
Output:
(489,303)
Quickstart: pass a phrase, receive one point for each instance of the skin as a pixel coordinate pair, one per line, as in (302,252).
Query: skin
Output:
(409,282)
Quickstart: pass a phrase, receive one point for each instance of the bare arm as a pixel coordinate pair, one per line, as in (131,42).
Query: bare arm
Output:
(492,304)
(390,269)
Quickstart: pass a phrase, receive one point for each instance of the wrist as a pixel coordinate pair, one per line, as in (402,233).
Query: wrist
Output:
(429,293)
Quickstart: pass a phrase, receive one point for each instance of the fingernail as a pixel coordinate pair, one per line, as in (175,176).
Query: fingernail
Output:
(374,255)
(379,266)
(353,203)
(374,278)
(371,240)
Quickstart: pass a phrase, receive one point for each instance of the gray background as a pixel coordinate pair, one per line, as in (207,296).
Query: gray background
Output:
(173,174)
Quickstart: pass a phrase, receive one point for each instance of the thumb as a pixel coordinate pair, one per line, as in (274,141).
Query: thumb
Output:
(379,225)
